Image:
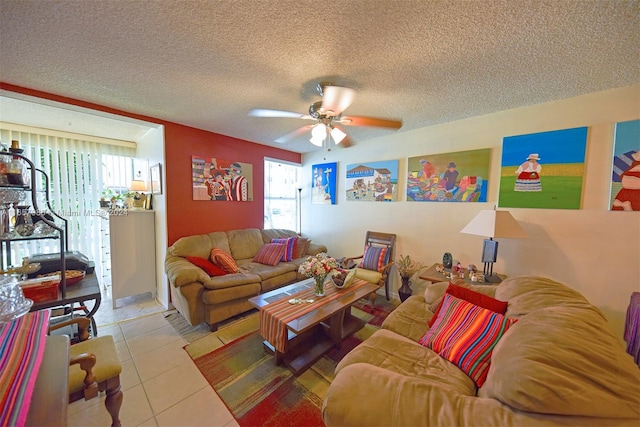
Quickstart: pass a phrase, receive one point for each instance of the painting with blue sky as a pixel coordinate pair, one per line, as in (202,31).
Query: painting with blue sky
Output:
(372,181)
(625,173)
(324,185)
(543,170)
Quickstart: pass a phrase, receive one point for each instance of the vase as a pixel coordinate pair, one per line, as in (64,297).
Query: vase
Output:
(319,288)
(405,290)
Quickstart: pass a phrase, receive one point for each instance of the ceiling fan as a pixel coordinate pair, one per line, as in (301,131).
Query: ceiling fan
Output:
(328,117)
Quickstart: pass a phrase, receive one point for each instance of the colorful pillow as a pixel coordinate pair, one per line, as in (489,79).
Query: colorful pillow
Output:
(210,268)
(374,258)
(473,297)
(224,260)
(465,334)
(301,248)
(270,254)
(291,244)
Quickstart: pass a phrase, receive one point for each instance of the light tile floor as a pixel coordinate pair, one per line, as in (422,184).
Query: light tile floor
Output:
(160,382)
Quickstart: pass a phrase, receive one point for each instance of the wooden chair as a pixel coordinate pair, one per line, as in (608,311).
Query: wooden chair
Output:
(374,240)
(94,366)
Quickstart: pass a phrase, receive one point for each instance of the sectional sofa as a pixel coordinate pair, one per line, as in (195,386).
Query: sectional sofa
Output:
(201,292)
(558,364)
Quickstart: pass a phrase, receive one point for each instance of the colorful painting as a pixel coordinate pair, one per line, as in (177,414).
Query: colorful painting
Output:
(372,182)
(543,170)
(221,180)
(625,175)
(449,177)
(324,184)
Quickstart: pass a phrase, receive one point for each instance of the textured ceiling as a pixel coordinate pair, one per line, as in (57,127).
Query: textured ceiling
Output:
(205,64)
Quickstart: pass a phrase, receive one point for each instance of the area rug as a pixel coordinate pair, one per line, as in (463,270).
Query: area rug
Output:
(259,393)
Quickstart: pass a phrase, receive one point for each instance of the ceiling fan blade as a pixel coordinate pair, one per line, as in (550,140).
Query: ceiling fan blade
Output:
(261,112)
(291,135)
(370,121)
(336,99)
(346,142)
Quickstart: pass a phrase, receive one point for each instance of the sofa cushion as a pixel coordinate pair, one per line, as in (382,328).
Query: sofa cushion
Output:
(400,355)
(267,271)
(473,297)
(564,361)
(374,258)
(409,319)
(302,247)
(465,334)
(270,254)
(199,245)
(530,293)
(291,246)
(210,268)
(245,243)
(224,260)
(231,281)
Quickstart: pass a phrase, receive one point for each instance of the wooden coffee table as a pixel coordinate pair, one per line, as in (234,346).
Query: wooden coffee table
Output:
(314,333)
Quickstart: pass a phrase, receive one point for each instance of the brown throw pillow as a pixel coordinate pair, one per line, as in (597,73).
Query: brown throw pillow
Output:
(302,247)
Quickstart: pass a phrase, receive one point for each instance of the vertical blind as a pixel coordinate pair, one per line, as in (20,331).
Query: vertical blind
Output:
(78,170)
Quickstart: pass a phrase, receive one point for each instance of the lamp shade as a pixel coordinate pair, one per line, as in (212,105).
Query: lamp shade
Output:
(138,185)
(494,223)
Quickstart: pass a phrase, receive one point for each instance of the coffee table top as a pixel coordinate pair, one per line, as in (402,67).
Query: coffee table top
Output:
(347,298)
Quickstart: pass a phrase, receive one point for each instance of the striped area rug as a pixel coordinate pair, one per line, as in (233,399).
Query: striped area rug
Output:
(259,393)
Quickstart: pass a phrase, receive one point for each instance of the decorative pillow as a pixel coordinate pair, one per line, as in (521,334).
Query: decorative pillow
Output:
(270,254)
(466,334)
(290,247)
(210,268)
(473,297)
(301,248)
(224,260)
(374,257)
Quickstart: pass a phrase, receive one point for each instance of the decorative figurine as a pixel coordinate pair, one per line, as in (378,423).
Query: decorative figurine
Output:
(472,268)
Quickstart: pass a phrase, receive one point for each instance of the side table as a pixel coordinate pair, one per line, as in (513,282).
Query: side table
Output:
(433,276)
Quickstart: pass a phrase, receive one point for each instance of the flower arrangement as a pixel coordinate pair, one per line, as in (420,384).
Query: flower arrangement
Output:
(407,267)
(319,267)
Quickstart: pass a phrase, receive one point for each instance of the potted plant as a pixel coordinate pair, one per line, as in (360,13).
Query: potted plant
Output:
(406,268)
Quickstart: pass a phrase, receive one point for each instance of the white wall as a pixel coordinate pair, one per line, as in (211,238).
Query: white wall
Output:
(593,250)
(151,148)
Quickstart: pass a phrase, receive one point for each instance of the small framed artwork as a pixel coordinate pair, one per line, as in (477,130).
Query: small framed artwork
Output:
(156,179)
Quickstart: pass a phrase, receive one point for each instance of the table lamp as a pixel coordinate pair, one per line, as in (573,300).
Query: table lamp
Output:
(493,223)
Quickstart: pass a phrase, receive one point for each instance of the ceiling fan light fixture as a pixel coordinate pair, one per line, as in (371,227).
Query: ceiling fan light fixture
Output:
(337,135)
(317,141)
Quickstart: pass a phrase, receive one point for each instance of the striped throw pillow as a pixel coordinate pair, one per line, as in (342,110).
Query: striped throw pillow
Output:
(291,244)
(224,260)
(375,257)
(466,334)
(270,254)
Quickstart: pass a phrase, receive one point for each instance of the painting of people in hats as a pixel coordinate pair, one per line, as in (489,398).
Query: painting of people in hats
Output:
(460,176)
(529,174)
(239,186)
(524,183)
(221,180)
(450,177)
(625,177)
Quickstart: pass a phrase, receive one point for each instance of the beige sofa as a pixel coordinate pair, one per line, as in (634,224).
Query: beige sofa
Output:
(202,298)
(559,365)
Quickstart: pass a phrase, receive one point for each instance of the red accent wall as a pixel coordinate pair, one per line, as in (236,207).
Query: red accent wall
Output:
(186,216)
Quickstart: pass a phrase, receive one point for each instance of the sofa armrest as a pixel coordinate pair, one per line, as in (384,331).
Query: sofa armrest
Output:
(181,272)
(315,249)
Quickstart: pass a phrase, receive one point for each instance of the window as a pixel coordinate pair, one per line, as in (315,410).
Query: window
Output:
(78,170)
(281,195)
